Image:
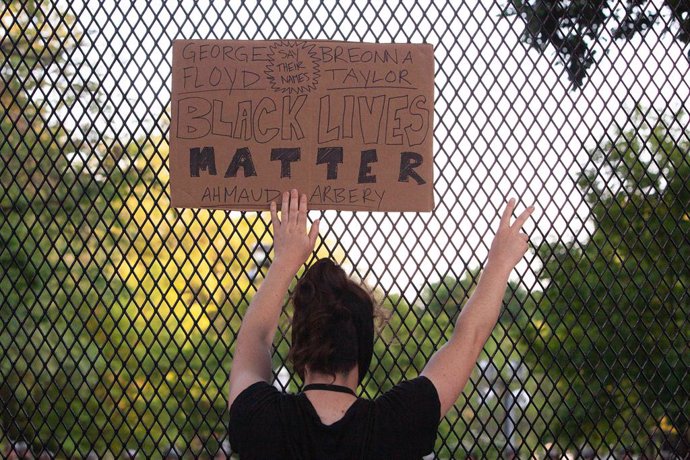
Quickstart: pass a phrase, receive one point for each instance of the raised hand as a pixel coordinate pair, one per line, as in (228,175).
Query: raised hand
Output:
(510,243)
(292,245)
(291,241)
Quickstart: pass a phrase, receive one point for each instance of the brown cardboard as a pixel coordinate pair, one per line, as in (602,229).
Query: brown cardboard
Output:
(349,124)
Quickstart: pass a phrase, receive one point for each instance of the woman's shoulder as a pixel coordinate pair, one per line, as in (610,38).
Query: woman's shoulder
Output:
(416,390)
(256,397)
(407,417)
(254,422)
(410,405)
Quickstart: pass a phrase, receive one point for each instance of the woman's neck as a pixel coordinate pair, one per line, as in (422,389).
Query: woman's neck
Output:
(331,406)
(346,380)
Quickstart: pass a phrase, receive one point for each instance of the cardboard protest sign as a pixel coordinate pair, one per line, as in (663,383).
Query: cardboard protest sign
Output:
(349,124)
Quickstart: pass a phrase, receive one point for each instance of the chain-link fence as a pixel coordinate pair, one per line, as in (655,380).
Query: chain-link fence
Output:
(118,313)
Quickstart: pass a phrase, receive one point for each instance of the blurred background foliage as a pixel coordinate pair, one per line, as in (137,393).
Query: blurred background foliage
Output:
(118,312)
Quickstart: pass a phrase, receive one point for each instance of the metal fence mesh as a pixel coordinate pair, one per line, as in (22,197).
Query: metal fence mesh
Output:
(118,313)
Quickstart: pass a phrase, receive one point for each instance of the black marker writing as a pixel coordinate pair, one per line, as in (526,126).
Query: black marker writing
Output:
(290,110)
(202,159)
(286,156)
(408,162)
(365,176)
(245,120)
(331,156)
(241,159)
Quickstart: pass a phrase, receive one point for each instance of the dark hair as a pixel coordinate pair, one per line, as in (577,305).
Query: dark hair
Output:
(332,323)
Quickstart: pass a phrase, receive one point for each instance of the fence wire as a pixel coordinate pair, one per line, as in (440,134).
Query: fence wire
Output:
(118,313)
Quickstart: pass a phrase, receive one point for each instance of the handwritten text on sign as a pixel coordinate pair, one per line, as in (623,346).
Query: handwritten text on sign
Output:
(350,124)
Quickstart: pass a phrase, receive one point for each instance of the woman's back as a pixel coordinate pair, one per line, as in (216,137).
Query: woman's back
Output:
(332,343)
(401,423)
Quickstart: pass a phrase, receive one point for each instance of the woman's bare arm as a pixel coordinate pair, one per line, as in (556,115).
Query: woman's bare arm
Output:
(292,245)
(450,367)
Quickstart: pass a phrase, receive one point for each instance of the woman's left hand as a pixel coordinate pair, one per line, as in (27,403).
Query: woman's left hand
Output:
(291,241)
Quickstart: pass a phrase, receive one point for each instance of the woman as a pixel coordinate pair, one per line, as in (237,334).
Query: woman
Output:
(331,351)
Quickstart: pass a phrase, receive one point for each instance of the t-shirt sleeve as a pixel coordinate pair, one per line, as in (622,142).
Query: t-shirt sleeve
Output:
(410,412)
(253,407)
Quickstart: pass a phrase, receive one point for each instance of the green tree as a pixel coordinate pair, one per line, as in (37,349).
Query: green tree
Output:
(574,29)
(445,298)
(500,368)
(54,281)
(614,326)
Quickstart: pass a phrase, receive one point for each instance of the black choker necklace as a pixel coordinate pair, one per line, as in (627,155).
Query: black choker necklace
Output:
(329,387)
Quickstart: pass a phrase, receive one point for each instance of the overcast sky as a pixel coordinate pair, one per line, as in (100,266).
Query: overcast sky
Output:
(506,122)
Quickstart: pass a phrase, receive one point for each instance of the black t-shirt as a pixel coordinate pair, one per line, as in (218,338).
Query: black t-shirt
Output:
(266,423)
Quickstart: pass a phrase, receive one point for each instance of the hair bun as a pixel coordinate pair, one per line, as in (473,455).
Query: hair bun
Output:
(306,290)
(332,324)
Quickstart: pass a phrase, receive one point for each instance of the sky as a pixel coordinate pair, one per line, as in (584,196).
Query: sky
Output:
(507,123)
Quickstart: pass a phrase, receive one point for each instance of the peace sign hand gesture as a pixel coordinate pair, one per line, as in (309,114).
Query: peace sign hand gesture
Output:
(510,243)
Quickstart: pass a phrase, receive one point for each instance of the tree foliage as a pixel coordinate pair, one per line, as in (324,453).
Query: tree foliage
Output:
(615,328)
(480,409)
(116,312)
(49,282)
(575,29)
